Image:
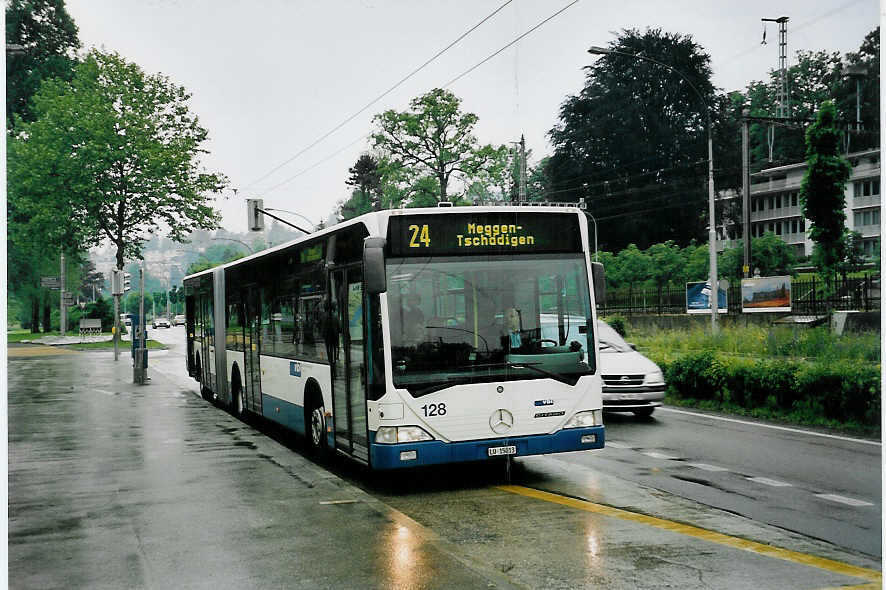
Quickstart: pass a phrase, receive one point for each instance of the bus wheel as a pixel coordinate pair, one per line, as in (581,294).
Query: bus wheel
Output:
(644,412)
(204,391)
(239,402)
(316,427)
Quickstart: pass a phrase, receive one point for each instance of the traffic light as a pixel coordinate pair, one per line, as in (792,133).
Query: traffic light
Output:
(126,282)
(254,218)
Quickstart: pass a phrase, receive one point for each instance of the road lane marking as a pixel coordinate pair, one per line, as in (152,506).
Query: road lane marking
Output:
(843,500)
(822,563)
(616,445)
(770,482)
(773,427)
(707,467)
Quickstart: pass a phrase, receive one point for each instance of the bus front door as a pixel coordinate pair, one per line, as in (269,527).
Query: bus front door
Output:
(348,383)
(251,348)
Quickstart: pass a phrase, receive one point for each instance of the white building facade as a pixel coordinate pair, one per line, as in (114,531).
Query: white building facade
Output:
(775,203)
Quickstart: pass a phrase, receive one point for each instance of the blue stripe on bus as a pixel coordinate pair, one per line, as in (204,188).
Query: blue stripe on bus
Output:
(433,452)
(288,414)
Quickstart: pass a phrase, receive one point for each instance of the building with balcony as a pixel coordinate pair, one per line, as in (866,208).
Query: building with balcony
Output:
(775,203)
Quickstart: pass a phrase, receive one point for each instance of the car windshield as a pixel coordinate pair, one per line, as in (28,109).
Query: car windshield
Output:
(609,340)
(488,318)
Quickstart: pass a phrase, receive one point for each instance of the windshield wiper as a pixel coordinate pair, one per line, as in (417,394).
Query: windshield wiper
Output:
(532,366)
(447,383)
(551,374)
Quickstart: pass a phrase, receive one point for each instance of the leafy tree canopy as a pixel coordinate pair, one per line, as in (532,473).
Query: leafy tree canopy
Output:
(633,142)
(112,154)
(48,37)
(822,192)
(435,139)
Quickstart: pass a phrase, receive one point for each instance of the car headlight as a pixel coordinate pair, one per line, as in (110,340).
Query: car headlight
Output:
(655,378)
(585,419)
(388,435)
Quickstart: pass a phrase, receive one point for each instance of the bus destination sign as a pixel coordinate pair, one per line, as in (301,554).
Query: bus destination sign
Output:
(483,233)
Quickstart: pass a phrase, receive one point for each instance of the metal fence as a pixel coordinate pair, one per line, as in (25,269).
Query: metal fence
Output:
(811,297)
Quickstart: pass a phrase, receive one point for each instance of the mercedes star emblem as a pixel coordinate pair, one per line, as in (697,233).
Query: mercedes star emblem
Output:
(501,421)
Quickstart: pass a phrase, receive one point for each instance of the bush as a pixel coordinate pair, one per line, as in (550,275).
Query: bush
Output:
(618,324)
(843,391)
(698,375)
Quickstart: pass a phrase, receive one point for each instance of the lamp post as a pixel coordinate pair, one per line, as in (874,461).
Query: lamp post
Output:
(251,251)
(714,297)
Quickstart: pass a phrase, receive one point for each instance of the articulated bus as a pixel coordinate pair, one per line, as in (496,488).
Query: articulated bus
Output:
(411,337)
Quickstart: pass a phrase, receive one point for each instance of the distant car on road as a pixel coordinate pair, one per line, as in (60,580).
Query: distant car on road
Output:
(160,322)
(631,382)
(178,320)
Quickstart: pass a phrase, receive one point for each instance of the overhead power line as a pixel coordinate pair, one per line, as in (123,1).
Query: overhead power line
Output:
(383,94)
(462,75)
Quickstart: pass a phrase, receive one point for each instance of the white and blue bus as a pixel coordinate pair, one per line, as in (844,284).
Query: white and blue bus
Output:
(411,337)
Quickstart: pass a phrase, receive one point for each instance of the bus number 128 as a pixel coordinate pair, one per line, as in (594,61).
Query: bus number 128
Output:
(434,409)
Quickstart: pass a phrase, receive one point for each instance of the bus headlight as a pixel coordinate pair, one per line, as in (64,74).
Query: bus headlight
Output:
(388,435)
(585,419)
(655,378)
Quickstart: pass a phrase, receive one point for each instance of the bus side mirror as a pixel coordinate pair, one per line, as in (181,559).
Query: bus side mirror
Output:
(599,281)
(374,266)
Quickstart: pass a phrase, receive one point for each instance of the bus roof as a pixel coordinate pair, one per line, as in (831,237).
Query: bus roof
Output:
(375,219)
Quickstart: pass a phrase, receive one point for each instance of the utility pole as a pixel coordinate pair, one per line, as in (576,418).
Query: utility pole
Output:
(745,195)
(522,168)
(63,320)
(783,106)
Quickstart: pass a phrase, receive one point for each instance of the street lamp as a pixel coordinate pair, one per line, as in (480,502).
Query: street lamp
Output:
(714,297)
(240,241)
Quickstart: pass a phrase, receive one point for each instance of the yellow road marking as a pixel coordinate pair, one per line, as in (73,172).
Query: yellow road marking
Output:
(829,565)
(28,351)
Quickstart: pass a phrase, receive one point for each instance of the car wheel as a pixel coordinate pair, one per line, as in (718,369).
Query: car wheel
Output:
(643,412)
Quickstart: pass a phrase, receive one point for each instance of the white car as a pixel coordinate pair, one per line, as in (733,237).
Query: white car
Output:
(178,320)
(631,382)
(160,323)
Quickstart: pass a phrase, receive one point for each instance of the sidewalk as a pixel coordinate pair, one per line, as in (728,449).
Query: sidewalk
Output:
(116,485)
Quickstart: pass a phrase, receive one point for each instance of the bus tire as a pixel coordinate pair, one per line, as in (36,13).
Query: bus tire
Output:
(315,423)
(644,412)
(204,391)
(238,396)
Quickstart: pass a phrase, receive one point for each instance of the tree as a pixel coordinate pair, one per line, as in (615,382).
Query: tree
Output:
(822,192)
(433,138)
(48,36)
(634,140)
(112,154)
(633,265)
(364,175)
(769,254)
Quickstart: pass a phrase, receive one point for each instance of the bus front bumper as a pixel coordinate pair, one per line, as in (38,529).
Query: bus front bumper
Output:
(396,456)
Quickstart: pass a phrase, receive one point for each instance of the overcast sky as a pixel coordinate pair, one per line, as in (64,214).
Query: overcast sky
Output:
(270,77)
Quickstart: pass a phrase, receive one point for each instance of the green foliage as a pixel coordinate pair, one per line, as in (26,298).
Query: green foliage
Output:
(697,375)
(49,37)
(847,392)
(618,324)
(112,154)
(822,193)
(433,139)
(633,141)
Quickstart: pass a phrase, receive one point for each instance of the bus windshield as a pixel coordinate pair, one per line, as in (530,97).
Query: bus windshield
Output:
(477,319)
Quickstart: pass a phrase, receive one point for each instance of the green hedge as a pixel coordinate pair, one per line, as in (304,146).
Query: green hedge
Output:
(842,391)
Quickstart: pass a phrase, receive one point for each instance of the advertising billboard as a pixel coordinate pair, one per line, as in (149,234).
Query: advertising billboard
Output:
(766,294)
(698,298)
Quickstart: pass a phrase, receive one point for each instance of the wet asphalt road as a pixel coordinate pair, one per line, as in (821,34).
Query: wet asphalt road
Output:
(113,485)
